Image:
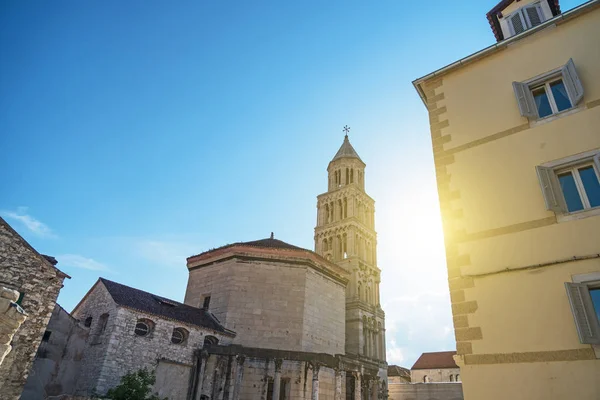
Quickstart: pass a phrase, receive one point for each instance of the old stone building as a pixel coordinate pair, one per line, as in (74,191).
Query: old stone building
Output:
(38,282)
(260,320)
(131,329)
(435,367)
(434,376)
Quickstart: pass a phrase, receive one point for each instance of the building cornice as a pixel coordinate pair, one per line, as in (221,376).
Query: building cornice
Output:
(573,13)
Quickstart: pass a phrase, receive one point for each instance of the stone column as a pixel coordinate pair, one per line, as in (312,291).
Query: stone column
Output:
(239,376)
(376,344)
(277,379)
(374,389)
(357,386)
(315,381)
(337,395)
(203,360)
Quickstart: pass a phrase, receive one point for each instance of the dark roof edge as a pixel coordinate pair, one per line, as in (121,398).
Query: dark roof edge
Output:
(30,247)
(225,331)
(580,9)
(208,313)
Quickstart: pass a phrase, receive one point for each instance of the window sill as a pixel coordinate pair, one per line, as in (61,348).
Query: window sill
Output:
(550,118)
(591,212)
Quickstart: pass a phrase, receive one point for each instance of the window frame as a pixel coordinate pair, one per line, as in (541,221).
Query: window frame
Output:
(548,89)
(574,170)
(184,335)
(524,17)
(573,86)
(148,322)
(552,190)
(585,282)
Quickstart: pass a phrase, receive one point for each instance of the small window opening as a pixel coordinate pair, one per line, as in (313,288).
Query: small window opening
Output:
(102,322)
(46,336)
(179,335)
(206,302)
(451,378)
(425,379)
(210,341)
(20,299)
(143,327)
(88,322)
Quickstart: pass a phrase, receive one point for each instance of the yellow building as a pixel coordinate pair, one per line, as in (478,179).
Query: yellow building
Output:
(515,130)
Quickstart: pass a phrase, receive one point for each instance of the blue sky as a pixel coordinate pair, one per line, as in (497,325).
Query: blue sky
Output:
(135,134)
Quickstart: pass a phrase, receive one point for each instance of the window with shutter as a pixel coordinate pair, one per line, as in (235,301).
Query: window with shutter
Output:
(525,100)
(572,83)
(550,189)
(550,94)
(517,23)
(582,307)
(534,15)
(572,186)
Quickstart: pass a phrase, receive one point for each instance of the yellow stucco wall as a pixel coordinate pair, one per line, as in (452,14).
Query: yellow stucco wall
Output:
(515,332)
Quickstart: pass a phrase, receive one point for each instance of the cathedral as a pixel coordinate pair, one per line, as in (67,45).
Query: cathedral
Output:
(262,320)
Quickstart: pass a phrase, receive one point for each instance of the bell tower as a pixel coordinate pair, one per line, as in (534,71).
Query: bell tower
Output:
(345,234)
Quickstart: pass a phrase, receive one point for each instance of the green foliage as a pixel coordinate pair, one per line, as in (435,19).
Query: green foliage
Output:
(135,386)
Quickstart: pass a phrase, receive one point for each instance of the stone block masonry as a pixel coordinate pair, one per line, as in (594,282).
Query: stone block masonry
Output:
(38,282)
(11,318)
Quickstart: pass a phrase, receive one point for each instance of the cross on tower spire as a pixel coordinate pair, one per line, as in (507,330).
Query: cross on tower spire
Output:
(346,130)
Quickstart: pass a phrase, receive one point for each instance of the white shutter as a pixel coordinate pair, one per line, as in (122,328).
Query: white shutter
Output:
(582,308)
(551,189)
(525,100)
(517,23)
(534,15)
(597,161)
(572,82)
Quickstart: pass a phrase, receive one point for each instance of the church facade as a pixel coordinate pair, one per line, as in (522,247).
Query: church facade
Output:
(260,320)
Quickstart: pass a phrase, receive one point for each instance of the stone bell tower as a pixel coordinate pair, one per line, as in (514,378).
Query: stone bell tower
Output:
(345,234)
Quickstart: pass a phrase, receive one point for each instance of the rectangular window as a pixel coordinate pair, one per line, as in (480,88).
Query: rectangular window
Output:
(571,187)
(549,94)
(206,302)
(46,336)
(525,18)
(584,299)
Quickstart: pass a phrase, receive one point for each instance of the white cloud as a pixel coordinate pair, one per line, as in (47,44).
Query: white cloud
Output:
(418,324)
(77,261)
(33,225)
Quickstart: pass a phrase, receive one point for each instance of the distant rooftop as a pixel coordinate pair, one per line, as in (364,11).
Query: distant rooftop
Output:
(440,359)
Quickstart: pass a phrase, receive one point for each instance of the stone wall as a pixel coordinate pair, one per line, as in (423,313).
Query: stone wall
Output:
(25,270)
(324,325)
(118,351)
(425,391)
(434,375)
(273,304)
(172,380)
(261,301)
(96,303)
(57,363)
(11,318)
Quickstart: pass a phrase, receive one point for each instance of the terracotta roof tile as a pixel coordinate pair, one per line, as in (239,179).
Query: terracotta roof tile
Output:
(440,359)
